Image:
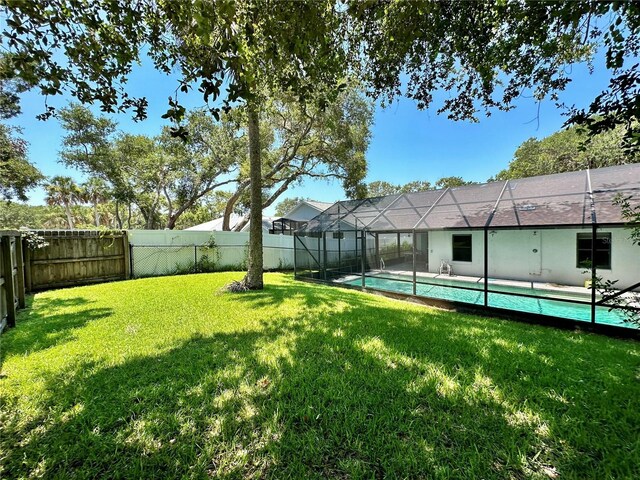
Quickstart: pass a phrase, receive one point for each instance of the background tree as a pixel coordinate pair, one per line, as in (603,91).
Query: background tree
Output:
(15,215)
(64,192)
(87,143)
(17,174)
(209,207)
(201,163)
(452,182)
(285,206)
(95,191)
(564,151)
(88,146)
(141,175)
(415,186)
(380,188)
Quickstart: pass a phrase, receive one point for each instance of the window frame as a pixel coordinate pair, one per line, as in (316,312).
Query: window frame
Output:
(580,263)
(470,248)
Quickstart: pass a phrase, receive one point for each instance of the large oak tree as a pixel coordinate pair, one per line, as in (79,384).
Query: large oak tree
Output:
(231,51)
(304,140)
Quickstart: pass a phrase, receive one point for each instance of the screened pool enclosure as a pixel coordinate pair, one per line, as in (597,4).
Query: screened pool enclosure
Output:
(533,246)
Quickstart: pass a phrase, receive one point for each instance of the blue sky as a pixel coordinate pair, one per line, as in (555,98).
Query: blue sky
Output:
(407,144)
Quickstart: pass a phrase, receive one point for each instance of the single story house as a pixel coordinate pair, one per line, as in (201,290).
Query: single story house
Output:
(531,244)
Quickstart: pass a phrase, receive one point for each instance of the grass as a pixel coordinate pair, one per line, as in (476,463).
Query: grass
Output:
(168,377)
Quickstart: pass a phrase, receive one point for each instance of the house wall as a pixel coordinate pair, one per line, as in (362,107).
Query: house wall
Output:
(303,212)
(511,256)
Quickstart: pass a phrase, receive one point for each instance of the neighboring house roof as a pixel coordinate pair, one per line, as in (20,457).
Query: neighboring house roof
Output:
(319,205)
(306,210)
(267,224)
(215,225)
(568,199)
(302,212)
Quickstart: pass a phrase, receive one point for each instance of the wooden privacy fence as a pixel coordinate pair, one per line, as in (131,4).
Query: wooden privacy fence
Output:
(12,284)
(77,257)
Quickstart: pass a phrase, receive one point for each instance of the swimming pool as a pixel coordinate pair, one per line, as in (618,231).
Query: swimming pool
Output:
(542,306)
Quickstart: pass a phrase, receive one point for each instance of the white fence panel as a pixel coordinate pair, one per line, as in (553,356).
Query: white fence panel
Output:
(163,252)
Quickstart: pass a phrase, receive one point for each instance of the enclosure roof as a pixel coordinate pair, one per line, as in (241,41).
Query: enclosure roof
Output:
(569,199)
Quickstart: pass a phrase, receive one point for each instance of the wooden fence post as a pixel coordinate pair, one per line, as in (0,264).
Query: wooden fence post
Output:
(127,255)
(9,287)
(20,264)
(27,266)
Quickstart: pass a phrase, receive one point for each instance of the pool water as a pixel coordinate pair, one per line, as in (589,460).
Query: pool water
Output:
(543,306)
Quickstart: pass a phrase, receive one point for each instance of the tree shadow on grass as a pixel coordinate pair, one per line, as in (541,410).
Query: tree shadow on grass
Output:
(210,407)
(43,327)
(345,388)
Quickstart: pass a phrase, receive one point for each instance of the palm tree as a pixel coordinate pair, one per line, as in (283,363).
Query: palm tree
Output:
(63,191)
(95,191)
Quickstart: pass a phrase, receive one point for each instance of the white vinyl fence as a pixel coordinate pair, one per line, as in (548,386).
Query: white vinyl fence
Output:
(167,252)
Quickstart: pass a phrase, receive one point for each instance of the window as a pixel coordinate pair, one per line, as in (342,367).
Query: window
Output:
(338,235)
(603,250)
(461,248)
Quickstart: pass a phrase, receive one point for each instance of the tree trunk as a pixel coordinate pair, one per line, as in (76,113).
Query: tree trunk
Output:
(67,211)
(96,214)
(231,203)
(118,219)
(253,278)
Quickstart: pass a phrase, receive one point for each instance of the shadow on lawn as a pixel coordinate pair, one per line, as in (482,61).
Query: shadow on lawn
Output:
(45,326)
(340,389)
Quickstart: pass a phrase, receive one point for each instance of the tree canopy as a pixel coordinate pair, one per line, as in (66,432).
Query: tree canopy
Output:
(564,151)
(17,174)
(381,188)
(485,55)
(451,182)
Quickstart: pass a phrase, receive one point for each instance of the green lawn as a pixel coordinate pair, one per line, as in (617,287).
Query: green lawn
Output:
(168,377)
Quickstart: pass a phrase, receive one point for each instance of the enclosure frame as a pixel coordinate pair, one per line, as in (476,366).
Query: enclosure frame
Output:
(361,230)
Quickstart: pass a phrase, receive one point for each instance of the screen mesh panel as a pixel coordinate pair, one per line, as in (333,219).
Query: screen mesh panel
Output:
(607,184)
(406,211)
(561,199)
(464,207)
